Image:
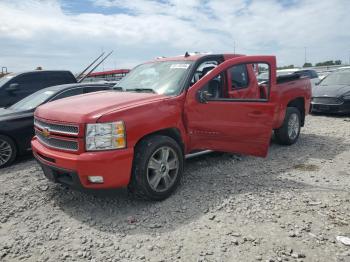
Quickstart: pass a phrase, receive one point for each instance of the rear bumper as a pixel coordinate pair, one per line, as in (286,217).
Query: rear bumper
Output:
(73,170)
(343,108)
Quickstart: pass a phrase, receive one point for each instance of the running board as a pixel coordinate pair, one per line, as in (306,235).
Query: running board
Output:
(198,154)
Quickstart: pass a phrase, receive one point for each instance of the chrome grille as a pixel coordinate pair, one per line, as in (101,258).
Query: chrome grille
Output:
(57,143)
(327,100)
(57,128)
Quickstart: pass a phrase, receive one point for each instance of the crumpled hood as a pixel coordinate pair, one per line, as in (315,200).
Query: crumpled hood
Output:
(89,108)
(331,90)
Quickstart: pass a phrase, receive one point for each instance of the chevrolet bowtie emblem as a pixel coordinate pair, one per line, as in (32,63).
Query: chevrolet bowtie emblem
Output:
(46,132)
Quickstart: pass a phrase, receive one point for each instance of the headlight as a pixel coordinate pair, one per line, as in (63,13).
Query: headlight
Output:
(105,136)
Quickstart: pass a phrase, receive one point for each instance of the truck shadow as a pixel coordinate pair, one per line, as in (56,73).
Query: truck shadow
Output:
(208,181)
(330,115)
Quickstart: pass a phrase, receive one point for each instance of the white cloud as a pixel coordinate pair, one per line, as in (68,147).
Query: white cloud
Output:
(35,32)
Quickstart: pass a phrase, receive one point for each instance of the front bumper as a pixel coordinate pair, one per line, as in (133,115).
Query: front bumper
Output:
(343,108)
(73,169)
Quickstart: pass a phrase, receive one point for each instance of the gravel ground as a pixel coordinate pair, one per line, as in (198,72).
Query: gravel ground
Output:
(290,206)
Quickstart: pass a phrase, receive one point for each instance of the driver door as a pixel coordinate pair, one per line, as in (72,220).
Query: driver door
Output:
(230,124)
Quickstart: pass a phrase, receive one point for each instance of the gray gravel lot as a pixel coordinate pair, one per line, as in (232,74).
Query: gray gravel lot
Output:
(287,207)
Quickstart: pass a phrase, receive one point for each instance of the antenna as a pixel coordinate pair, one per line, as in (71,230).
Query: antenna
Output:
(86,75)
(82,73)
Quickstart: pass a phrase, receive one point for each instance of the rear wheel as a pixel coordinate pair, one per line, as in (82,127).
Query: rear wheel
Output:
(289,132)
(157,168)
(8,151)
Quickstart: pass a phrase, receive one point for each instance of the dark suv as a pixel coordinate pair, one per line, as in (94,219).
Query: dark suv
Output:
(14,87)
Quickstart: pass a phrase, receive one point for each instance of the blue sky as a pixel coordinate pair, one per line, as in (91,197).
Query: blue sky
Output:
(85,6)
(68,34)
(88,6)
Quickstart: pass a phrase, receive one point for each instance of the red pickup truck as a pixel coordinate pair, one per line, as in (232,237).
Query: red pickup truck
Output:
(137,136)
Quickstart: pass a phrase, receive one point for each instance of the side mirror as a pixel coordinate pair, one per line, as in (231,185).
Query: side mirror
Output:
(12,88)
(204,96)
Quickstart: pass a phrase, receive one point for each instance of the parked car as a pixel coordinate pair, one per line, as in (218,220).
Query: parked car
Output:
(17,121)
(323,74)
(282,72)
(137,136)
(16,86)
(343,67)
(311,74)
(332,95)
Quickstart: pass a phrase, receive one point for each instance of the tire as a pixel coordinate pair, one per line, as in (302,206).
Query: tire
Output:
(289,132)
(155,176)
(8,151)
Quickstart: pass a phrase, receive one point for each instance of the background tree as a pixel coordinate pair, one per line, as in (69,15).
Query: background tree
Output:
(307,65)
(286,67)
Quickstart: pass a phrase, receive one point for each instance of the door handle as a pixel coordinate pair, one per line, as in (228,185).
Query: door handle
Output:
(255,114)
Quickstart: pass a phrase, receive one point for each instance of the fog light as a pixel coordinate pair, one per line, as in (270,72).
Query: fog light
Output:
(95,179)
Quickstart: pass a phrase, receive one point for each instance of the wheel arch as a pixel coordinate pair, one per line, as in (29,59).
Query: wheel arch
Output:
(14,141)
(299,103)
(172,132)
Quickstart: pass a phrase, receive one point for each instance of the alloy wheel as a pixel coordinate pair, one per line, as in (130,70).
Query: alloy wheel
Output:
(293,126)
(162,169)
(5,152)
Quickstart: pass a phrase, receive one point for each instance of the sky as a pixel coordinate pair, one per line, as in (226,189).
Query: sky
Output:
(69,34)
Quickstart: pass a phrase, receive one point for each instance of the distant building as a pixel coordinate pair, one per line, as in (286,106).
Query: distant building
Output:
(111,75)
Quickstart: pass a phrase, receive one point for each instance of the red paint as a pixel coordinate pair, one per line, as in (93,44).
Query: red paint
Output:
(114,166)
(110,72)
(235,126)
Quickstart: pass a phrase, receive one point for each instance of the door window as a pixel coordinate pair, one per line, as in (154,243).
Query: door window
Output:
(239,77)
(68,93)
(90,89)
(203,69)
(55,78)
(249,82)
(26,78)
(242,82)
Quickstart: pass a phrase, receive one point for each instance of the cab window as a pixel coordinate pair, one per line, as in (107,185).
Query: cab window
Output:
(239,77)
(203,69)
(242,82)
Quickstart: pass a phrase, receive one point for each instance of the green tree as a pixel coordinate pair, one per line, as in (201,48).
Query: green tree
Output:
(329,63)
(307,65)
(286,67)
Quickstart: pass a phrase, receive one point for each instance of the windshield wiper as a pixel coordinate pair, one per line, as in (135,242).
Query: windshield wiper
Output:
(118,88)
(142,89)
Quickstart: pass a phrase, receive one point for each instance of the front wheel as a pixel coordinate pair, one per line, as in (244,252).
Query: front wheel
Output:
(157,168)
(289,132)
(8,151)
